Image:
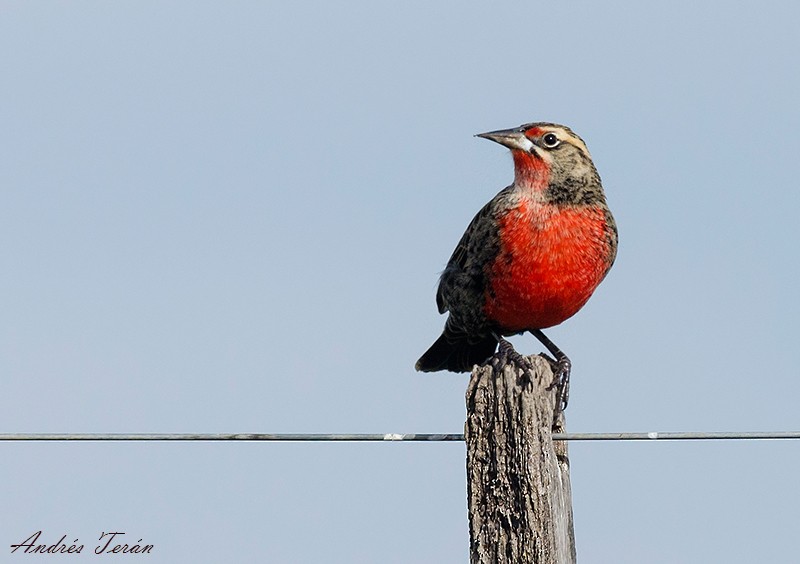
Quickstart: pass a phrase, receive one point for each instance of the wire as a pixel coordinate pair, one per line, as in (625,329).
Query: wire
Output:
(689,436)
(286,437)
(389,437)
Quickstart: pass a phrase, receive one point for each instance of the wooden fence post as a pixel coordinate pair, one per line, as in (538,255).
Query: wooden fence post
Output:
(518,489)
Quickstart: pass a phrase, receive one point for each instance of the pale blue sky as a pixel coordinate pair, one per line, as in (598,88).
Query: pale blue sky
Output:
(231,216)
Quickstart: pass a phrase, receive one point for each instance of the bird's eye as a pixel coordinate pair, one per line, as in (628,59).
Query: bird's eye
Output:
(550,140)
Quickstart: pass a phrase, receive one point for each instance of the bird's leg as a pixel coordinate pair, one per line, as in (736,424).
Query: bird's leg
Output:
(562,370)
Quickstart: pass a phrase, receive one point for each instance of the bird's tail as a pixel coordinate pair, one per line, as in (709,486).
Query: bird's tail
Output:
(456,353)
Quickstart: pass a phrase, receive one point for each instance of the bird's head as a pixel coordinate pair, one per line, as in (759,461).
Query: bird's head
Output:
(548,157)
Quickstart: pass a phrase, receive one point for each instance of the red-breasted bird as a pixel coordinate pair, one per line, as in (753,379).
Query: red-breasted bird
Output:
(531,257)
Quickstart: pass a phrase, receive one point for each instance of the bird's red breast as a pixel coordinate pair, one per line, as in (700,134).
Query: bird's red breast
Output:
(550,261)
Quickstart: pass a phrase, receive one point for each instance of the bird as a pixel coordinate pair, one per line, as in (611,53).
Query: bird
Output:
(530,258)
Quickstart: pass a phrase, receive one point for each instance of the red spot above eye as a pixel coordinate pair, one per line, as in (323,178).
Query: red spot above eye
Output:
(533,132)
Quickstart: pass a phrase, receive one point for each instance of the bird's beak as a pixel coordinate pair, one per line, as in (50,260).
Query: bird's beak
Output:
(514,139)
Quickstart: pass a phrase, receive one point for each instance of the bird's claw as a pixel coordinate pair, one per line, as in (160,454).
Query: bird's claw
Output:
(561,371)
(506,354)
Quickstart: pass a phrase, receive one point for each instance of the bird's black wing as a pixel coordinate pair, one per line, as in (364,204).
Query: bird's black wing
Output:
(464,270)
